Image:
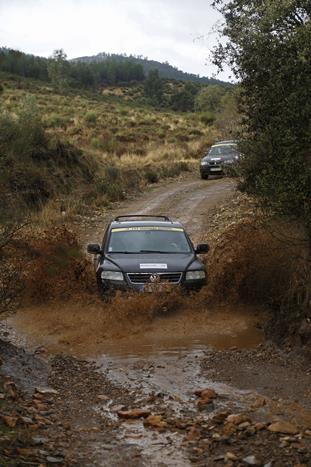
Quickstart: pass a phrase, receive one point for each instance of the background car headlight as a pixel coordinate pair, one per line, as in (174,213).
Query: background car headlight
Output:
(112,275)
(204,163)
(195,275)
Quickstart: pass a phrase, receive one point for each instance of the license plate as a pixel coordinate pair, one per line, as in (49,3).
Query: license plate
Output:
(215,169)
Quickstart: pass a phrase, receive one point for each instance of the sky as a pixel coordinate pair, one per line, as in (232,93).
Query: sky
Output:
(182,32)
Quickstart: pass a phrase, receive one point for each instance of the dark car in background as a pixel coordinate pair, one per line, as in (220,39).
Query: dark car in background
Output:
(222,155)
(145,252)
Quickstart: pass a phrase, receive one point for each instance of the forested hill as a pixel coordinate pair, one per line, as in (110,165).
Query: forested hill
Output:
(165,69)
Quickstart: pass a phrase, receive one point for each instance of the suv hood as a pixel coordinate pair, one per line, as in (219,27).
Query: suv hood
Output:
(221,158)
(151,262)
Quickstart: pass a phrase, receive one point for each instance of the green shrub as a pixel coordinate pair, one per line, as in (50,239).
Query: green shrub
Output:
(208,118)
(151,176)
(90,118)
(56,121)
(95,143)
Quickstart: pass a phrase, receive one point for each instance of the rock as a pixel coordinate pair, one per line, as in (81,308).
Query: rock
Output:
(251,460)
(206,393)
(193,433)
(25,420)
(54,460)
(230,456)
(260,401)
(283,427)
(46,391)
(155,421)
(117,408)
(39,440)
(102,397)
(229,429)
(244,425)
(25,452)
(135,413)
(237,419)
(9,421)
(259,426)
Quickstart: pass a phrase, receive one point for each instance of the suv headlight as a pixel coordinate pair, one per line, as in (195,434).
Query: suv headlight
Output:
(195,275)
(112,275)
(204,163)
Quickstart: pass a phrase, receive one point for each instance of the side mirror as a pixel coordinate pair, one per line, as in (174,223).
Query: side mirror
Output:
(202,248)
(94,249)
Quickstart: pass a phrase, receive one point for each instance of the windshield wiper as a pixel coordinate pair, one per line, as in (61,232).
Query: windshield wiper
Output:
(123,252)
(152,251)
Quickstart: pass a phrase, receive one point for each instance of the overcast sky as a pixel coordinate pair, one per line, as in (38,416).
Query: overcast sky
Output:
(178,31)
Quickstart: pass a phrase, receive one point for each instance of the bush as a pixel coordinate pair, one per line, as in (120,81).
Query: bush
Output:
(56,121)
(208,118)
(151,176)
(90,118)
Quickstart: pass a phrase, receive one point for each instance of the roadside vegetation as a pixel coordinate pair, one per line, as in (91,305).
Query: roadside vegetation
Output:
(268,48)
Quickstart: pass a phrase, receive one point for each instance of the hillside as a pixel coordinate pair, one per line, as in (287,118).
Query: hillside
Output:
(100,146)
(165,69)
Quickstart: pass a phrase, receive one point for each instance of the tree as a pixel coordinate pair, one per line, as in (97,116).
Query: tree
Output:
(154,86)
(58,70)
(268,49)
(209,98)
(183,100)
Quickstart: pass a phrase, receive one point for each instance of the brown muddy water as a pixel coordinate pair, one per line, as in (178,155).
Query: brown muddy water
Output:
(90,331)
(156,359)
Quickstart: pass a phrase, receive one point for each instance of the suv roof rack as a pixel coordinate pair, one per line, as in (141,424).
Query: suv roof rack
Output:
(150,216)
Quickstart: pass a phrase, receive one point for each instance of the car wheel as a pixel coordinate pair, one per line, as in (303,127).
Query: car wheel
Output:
(204,176)
(103,293)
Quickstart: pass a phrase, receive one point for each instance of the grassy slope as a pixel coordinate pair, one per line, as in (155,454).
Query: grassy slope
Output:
(132,143)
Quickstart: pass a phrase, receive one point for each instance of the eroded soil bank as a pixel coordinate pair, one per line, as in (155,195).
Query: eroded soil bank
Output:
(151,380)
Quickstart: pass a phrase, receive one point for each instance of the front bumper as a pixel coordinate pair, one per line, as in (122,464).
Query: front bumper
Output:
(211,170)
(147,286)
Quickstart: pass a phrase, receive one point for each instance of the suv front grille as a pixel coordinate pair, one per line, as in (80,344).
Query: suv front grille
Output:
(144,277)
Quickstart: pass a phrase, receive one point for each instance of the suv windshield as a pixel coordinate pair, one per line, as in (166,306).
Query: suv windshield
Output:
(222,150)
(148,240)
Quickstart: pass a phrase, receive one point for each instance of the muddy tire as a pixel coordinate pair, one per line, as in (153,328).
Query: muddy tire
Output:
(103,293)
(204,176)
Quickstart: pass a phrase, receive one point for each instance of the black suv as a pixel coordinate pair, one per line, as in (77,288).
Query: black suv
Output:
(221,155)
(140,252)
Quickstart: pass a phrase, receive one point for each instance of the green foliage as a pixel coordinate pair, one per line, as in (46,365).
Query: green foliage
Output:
(269,50)
(33,166)
(153,87)
(166,71)
(90,118)
(63,73)
(209,99)
(208,118)
(183,100)
(151,175)
(58,70)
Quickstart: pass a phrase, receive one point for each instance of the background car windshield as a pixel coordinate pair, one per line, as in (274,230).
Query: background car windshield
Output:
(148,241)
(222,150)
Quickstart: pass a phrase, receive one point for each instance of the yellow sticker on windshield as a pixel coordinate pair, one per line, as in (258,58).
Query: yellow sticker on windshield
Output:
(131,229)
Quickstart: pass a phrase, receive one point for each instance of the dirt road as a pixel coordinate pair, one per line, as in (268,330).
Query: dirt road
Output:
(129,383)
(188,200)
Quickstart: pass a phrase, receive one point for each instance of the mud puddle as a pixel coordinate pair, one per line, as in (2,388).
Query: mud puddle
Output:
(163,377)
(157,362)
